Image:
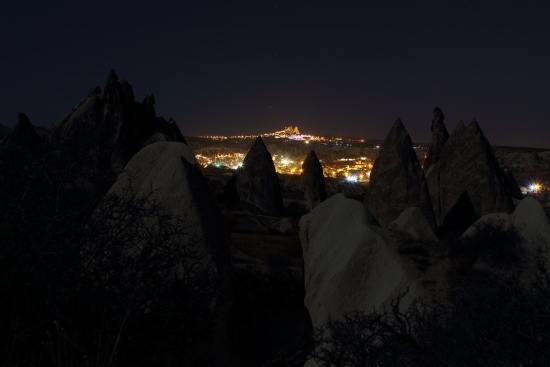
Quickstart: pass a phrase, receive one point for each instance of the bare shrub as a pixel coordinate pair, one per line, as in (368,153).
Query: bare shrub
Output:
(490,319)
(96,281)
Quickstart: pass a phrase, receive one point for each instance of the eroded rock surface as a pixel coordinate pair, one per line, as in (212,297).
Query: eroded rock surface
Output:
(312,181)
(166,172)
(350,264)
(257,182)
(467,175)
(111,126)
(397,180)
(412,223)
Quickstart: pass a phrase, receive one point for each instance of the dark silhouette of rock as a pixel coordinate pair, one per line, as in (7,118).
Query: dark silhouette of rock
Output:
(3,131)
(111,126)
(512,187)
(439,138)
(313,181)
(467,164)
(257,181)
(23,134)
(397,180)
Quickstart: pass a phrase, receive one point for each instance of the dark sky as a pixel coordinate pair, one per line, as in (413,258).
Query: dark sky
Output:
(330,67)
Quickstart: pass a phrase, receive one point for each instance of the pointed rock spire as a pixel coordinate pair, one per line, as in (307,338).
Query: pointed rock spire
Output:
(467,165)
(112,126)
(22,135)
(257,181)
(312,181)
(397,180)
(440,135)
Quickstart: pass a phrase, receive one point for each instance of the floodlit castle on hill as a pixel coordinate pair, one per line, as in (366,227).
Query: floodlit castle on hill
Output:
(288,131)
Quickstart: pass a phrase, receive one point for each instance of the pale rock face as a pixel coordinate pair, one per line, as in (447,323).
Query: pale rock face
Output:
(397,180)
(350,264)
(168,170)
(257,182)
(529,219)
(312,181)
(467,175)
(412,223)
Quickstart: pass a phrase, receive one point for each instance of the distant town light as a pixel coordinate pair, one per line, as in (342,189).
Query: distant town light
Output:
(351,178)
(285,161)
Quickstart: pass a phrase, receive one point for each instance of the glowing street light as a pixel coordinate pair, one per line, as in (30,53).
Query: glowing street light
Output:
(534,187)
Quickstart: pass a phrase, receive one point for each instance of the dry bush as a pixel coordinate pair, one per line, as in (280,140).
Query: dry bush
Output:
(489,319)
(91,280)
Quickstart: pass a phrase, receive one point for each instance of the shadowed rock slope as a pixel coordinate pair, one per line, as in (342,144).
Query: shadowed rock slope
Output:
(111,126)
(312,181)
(397,180)
(257,182)
(467,179)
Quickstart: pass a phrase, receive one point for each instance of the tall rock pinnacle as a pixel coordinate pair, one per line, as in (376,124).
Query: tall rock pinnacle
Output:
(439,138)
(112,126)
(257,181)
(467,182)
(313,181)
(397,180)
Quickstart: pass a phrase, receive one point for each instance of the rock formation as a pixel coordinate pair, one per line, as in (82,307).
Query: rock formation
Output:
(439,138)
(397,180)
(22,135)
(312,181)
(257,182)
(350,265)
(413,224)
(512,187)
(112,126)
(530,220)
(167,172)
(467,179)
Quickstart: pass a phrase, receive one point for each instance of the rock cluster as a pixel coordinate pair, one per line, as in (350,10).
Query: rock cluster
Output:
(467,181)
(112,126)
(312,181)
(397,179)
(350,264)
(257,182)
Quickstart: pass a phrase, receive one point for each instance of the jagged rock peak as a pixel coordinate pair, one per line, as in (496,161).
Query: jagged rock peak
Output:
(440,135)
(257,182)
(397,179)
(118,92)
(23,134)
(438,116)
(468,168)
(312,181)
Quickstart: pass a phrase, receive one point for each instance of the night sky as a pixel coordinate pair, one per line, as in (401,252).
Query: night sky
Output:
(330,67)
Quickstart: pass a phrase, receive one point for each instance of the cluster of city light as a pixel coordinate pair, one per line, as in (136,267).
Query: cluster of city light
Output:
(231,160)
(351,169)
